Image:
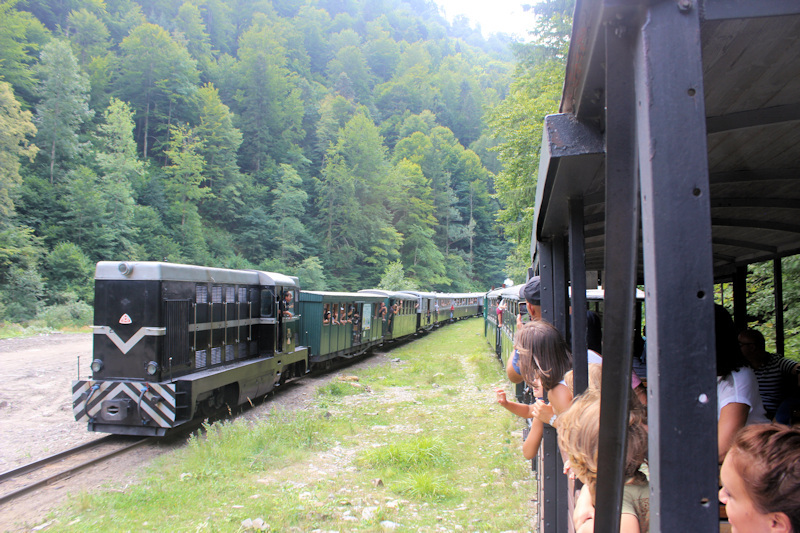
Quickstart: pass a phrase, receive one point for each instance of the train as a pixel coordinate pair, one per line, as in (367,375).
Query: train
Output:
(175,342)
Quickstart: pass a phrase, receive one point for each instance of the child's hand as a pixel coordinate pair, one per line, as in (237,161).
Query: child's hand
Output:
(542,411)
(501,397)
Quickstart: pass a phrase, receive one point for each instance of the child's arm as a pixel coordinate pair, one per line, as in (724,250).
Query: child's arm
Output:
(519,409)
(628,524)
(531,445)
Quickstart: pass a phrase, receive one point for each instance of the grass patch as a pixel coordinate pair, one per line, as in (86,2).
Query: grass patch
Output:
(417,453)
(421,443)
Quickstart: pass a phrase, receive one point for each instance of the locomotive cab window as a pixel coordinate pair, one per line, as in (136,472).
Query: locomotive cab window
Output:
(267,303)
(287,303)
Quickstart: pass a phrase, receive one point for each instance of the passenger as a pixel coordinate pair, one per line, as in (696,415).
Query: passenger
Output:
(543,354)
(382,311)
(773,372)
(761,480)
(501,306)
(738,401)
(531,295)
(326,314)
(287,305)
(578,436)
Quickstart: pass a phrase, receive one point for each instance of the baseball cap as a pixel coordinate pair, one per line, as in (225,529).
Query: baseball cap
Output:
(530,291)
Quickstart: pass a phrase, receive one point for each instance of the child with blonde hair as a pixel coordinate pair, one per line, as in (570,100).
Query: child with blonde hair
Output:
(578,435)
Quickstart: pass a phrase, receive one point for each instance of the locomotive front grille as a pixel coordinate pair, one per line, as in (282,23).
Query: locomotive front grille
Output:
(178,341)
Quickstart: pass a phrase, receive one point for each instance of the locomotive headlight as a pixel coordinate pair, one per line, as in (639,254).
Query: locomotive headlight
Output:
(97,365)
(125,269)
(152,368)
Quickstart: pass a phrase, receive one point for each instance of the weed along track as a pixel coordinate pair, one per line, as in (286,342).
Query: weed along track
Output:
(409,438)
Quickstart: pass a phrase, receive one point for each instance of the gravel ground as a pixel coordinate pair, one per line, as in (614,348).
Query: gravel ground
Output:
(36,419)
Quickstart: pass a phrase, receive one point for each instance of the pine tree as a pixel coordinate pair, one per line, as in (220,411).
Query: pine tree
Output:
(64,104)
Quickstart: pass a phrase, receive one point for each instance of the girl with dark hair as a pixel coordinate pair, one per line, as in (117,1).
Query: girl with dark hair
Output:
(761,480)
(738,400)
(544,355)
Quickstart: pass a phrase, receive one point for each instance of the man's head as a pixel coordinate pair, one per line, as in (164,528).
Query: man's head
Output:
(752,344)
(531,293)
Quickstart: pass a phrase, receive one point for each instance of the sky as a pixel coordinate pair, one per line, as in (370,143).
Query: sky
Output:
(494,16)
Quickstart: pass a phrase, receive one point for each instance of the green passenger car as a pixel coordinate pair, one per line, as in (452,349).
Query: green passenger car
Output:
(339,324)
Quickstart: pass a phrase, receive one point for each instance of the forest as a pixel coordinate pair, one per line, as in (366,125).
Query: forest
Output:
(352,143)
(343,141)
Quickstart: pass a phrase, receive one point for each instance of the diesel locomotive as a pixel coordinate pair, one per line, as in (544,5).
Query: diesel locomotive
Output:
(173,342)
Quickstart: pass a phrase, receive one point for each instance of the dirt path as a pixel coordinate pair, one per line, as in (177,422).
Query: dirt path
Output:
(36,419)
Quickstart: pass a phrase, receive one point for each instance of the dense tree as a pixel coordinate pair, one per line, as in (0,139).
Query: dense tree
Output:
(220,141)
(69,272)
(21,35)
(412,208)
(15,128)
(190,30)
(269,104)
(64,104)
(157,76)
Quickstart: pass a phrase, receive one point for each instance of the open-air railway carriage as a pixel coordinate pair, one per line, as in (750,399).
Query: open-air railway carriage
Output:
(674,162)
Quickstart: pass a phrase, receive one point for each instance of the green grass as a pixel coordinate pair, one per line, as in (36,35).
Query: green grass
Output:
(421,443)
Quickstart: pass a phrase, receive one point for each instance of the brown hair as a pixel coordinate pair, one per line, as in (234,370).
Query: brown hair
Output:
(543,352)
(767,456)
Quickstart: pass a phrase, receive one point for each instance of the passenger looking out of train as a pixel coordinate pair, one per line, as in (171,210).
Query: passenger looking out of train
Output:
(761,480)
(287,304)
(578,437)
(544,355)
(382,311)
(530,293)
(326,314)
(501,306)
(777,376)
(343,315)
(738,400)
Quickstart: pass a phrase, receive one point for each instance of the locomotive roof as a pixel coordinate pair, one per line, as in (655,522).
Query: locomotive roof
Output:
(160,271)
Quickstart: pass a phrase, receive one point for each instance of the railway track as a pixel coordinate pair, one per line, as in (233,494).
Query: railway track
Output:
(27,478)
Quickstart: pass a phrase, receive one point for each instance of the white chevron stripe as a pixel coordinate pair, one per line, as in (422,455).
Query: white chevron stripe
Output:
(123,346)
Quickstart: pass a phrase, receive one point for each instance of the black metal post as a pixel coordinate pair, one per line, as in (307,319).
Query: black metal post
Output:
(740,297)
(577,267)
(622,223)
(676,226)
(777,275)
(552,520)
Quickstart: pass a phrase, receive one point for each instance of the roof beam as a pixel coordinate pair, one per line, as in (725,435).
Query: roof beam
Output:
(756,224)
(741,9)
(737,176)
(753,118)
(772,203)
(745,244)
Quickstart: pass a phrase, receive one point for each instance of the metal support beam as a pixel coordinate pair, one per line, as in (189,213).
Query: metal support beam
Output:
(553,501)
(740,297)
(622,221)
(577,270)
(777,276)
(673,162)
